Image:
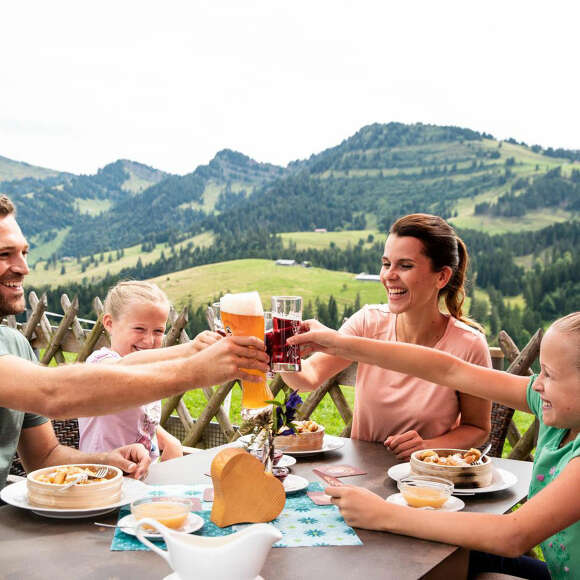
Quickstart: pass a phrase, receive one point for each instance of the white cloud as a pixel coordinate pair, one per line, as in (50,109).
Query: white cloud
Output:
(169,84)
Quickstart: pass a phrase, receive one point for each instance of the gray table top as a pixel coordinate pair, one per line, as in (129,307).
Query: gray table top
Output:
(34,547)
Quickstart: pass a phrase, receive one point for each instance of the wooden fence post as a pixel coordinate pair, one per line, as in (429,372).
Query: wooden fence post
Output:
(520,365)
(62,329)
(44,328)
(37,311)
(95,334)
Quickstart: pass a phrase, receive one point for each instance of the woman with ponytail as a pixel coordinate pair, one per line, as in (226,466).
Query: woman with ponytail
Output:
(423,267)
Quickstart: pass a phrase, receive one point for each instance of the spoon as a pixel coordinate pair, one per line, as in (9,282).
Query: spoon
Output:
(114,526)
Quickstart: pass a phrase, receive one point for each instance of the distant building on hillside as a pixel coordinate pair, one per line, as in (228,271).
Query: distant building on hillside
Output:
(306,264)
(286,263)
(364,277)
(320,230)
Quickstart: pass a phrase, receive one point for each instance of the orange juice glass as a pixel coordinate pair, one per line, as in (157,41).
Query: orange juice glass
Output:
(242,315)
(169,511)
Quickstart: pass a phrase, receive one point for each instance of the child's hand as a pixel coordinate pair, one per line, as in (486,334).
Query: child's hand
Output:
(205,339)
(404,444)
(133,459)
(360,507)
(172,448)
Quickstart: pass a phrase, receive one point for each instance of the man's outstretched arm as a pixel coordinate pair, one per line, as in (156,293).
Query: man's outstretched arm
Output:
(83,390)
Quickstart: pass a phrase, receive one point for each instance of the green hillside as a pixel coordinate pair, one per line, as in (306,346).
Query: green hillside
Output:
(202,284)
(51,274)
(364,183)
(54,276)
(320,240)
(10,170)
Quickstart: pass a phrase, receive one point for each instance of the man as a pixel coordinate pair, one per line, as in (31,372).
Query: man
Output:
(28,390)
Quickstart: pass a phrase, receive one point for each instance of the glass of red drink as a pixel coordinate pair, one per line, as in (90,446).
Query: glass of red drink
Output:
(286,318)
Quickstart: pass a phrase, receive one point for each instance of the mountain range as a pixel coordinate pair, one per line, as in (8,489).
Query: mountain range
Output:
(379,173)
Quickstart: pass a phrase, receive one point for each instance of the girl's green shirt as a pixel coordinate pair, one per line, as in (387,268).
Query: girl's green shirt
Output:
(562,550)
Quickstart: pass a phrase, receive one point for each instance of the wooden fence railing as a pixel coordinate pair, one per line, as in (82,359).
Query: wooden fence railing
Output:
(70,336)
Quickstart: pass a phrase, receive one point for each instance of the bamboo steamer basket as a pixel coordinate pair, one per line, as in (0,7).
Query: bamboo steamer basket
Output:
(306,441)
(86,496)
(470,476)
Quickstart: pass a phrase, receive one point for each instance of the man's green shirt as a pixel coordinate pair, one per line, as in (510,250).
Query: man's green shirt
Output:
(12,422)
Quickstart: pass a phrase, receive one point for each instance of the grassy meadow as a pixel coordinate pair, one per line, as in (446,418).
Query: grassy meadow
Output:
(202,284)
(322,240)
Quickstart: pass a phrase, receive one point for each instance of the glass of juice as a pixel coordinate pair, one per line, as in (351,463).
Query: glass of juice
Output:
(286,319)
(169,511)
(242,315)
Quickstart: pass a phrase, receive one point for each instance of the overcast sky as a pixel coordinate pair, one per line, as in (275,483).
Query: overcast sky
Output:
(170,83)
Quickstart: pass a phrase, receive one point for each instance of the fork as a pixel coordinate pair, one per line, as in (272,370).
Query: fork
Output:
(483,454)
(101,472)
(77,479)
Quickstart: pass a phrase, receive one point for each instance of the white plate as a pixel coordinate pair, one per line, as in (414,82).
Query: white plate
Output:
(453,504)
(502,479)
(294,483)
(16,494)
(174,576)
(330,443)
(286,461)
(192,524)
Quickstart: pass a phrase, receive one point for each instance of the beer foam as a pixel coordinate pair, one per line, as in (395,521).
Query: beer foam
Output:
(245,303)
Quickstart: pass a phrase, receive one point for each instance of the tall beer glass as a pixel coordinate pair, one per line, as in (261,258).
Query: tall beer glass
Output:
(286,317)
(243,315)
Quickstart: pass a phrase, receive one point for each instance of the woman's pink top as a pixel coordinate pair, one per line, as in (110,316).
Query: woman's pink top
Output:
(135,425)
(390,403)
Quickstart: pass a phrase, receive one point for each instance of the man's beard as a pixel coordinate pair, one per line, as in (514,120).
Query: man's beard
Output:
(15,306)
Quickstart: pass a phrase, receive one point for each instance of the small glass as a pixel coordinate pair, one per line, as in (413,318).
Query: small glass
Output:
(169,511)
(280,473)
(286,319)
(425,491)
(214,318)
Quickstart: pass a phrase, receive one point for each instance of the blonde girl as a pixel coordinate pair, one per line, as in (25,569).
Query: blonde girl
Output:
(552,513)
(135,316)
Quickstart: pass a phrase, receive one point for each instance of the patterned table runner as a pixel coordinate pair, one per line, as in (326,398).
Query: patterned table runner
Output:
(301,522)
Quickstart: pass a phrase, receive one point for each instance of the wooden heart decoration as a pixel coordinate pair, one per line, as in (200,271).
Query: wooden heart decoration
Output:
(243,492)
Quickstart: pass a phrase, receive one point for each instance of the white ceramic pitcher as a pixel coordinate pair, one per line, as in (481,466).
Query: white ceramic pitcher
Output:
(239,556)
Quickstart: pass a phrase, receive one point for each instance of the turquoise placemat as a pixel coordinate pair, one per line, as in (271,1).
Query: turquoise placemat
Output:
(302,523)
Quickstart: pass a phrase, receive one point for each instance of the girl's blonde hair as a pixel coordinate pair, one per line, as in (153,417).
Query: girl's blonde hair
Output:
(570,325)
(131,291)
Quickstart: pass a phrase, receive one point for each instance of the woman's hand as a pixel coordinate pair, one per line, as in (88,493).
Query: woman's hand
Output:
(404,444)
(205,339)
(315,337)
(360,507)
